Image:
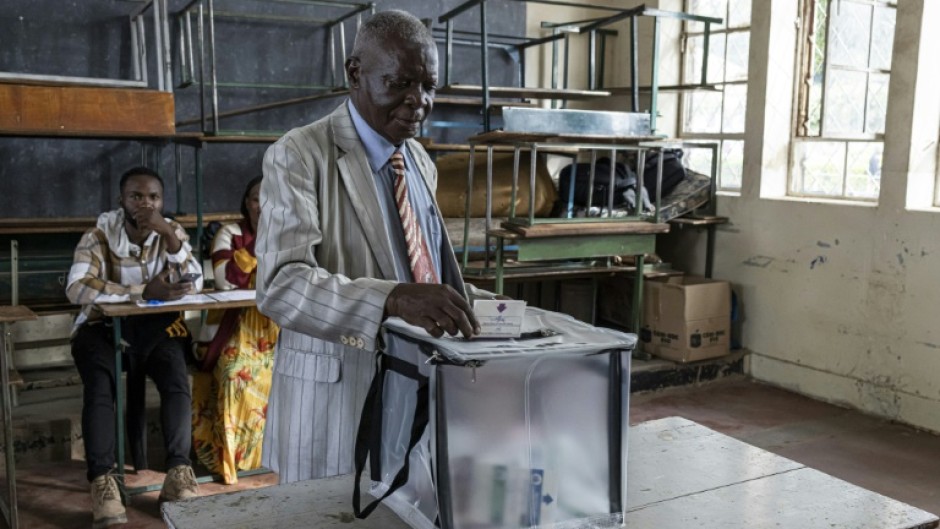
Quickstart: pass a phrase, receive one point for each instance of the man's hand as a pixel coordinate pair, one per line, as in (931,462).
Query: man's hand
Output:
(436,308)
(162,289)
(150,219)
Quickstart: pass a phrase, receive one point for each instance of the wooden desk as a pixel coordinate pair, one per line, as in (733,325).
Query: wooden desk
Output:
(118,311)
(9,314)
(680,474)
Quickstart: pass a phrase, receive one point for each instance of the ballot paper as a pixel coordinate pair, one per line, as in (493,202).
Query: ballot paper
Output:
(499,318)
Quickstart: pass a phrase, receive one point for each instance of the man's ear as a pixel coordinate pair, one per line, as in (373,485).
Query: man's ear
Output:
(353,69)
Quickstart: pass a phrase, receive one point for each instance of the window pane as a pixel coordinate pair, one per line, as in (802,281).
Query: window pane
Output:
(709,8)
(735,102)
(736,58)
(863,175)
(699,160)
(877,102)
(817,70)
(882,36)
(716,57)
(845,102)
(849,33)
(732,164)
(818,168)
(703,112)
(739,13)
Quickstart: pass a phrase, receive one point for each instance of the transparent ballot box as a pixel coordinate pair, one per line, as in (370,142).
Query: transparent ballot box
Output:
(508,433)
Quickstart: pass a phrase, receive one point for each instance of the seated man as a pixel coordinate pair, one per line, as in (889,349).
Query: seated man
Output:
(133,253)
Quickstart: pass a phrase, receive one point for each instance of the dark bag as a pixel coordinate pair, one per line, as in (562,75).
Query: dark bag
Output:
(673,171)
(624,180)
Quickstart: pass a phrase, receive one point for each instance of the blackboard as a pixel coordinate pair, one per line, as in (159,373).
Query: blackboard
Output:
(53,177)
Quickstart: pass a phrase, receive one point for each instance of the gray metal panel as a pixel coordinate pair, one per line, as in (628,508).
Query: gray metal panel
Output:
(575,122)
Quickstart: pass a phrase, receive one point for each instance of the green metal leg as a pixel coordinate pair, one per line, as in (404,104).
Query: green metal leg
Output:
(638,302)
(118,397)
(709,249)
(499,265)
(9,509)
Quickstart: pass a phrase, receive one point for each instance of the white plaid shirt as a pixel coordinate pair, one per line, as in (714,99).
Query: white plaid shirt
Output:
(108,268)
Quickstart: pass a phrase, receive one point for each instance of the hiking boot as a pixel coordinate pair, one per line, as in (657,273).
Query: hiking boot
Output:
(180,484)
(106,506)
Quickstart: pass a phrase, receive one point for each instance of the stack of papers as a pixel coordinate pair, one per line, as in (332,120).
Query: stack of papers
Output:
(205,297)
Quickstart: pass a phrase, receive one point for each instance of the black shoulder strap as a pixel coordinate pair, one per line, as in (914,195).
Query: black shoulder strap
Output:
(369,436)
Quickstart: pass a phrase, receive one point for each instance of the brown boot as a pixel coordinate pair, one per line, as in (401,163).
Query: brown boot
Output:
(106,506)
(180,484)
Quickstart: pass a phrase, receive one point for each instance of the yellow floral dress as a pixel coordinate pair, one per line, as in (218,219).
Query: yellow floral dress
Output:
(230,402)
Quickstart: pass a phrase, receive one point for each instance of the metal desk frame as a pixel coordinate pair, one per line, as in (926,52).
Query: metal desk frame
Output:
(118,312)
(9,314)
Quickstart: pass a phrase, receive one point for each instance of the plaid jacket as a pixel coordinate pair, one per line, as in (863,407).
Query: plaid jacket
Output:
(108,268)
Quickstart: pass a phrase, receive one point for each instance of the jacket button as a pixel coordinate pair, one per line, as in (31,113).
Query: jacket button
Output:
(344,340)
(359,343)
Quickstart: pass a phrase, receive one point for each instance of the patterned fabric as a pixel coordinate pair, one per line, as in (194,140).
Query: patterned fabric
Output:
(230,402)
(108,268)
(419,258)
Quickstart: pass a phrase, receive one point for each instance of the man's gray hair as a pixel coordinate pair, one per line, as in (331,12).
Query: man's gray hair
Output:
(385,24)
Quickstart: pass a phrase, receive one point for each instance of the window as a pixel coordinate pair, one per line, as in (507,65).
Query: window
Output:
(845,66)
(717,111)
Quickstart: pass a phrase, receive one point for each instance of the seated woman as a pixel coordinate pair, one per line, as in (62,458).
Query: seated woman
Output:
(230,393)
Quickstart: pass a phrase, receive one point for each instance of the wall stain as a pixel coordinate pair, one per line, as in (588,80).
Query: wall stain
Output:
(760,261)
(900,259)
(930,345)
(818,260)
(822,244)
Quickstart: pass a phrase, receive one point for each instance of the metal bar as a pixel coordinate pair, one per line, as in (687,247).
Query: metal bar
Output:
(332,47)
(517,38)
(489,202)
(167,57)
(14,272)
(659,187)
(554,71)
(199,199)
(615,419)
(202,70)
(158,44)
(713,191)
(825,80)
(6,357)
(465,257)
(591,175)
(484,53)
(564,83)
(515,181)
(118,397)
(592,60)
(584,246)
(342,54)
(499,285)
(187,60)
(533,168)
(637,314)
(611,184)
(135,58)
(603,63)
(634,66)
(179,179)
(142,49)
(212,69)
(705,45)
(654,77)
(640,170)
(449,52)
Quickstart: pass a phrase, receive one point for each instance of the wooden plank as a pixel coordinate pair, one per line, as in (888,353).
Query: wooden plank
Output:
(85,111)
(698,221)
(13,313)
(10,226)
(586,228)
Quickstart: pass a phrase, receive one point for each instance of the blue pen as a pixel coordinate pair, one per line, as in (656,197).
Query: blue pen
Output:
(154,302)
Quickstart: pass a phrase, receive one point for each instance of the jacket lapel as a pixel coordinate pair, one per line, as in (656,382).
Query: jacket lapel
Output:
(356,173)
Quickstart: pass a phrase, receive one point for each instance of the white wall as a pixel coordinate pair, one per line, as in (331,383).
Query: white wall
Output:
(839,301)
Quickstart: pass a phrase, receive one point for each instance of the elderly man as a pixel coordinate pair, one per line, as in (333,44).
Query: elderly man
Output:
(350,235)
(133,253)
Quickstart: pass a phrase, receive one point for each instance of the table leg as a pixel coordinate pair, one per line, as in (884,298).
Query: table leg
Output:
(637,322)
(10,511)
(499,265)
(709,249)
(118,397)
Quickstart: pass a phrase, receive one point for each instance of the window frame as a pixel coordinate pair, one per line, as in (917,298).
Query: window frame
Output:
(800,134)
(684,104)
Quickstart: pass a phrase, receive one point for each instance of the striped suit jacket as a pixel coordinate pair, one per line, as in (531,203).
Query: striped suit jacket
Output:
(325,270)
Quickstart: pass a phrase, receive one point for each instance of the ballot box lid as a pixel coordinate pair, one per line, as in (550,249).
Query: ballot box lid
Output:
(543,333)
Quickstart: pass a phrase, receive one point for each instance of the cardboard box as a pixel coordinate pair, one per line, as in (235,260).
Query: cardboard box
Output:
(686,318)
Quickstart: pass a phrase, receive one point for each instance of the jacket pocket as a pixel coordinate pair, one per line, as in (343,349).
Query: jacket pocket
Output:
(314,365)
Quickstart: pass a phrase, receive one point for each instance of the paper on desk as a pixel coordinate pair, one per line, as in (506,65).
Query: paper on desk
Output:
(187,299)
(232,295)
(499,318)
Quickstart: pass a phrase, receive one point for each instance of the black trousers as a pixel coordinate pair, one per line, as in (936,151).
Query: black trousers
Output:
(151,352)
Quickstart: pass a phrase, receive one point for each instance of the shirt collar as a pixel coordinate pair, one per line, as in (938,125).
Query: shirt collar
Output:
(378,149)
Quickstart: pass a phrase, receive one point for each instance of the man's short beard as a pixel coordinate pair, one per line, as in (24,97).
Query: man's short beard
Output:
(130,219)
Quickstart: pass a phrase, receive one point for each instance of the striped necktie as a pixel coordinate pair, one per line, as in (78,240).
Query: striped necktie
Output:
(422,267)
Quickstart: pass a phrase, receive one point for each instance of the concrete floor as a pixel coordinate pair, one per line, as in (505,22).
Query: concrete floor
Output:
(893,460)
